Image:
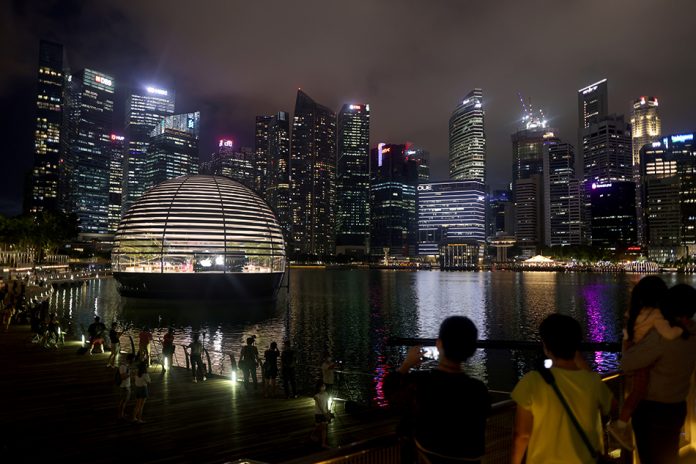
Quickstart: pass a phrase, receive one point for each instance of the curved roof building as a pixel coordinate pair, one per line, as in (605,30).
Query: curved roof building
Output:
(199,237)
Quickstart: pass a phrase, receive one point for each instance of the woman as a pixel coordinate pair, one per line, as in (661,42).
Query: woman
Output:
(270,370)
(142,379)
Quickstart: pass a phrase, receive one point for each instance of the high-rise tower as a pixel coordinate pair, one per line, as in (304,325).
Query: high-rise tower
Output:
(87,164)
(353,180)
(645,128)
(313,178)
(172,149)
(49,128)
(278,170)
(145,107)
(467,139)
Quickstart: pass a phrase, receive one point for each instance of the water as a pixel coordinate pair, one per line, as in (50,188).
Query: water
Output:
(353,313)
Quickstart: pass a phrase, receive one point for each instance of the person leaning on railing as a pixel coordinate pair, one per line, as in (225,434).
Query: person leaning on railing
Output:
(444,409)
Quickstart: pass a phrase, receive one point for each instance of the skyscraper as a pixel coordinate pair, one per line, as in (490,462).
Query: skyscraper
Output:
(261,154)
(235,164)
(313,178)
(645,128)
(422,157)
(353,180)
(87,164)
(117,149)
(563,199)
(607,150)
(467,139)
(172,149)
(593,106)
(393,214)
(49,129)
(278,170)
(144,109)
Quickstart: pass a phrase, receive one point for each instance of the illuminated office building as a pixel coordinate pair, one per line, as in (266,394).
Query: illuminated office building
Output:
(563,199)
(86,169)
(607,150)
(593,104)
(116,149)
(467,139)
(48,131)
(668,174)
(501,213)
(451,212)
(313,178)
(613,214)
(422,157)
(173,149)
(235,164)
(261,154)
(278,170)
(353,180)
(645,128)
(393,215)
(144,109)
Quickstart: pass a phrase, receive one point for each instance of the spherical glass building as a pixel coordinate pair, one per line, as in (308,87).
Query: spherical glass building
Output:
(199,237)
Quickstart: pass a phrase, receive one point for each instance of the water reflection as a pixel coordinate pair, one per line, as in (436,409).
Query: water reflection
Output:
(354,313)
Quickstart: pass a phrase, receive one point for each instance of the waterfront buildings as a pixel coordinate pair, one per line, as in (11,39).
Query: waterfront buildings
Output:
(393,219)
(613,214)
(87,162)
(235,164)
(668,173)
(593,106)
(172,149)
(313,178)
(450,213)
(48,133)
(645,128)
(563,199)
(278,170)
(353,180)
(145,108)
(261,153)
(116,149)
(501,213)
(467,139)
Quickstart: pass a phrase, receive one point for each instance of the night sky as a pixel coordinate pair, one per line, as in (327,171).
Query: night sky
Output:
(412,61)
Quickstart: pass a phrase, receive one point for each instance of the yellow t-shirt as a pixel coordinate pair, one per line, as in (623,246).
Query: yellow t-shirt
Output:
(554,437)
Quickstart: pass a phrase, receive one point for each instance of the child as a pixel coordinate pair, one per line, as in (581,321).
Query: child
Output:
(322,416)
(643,315)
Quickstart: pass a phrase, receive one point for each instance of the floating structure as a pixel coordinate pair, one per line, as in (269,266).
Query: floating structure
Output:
(199,237)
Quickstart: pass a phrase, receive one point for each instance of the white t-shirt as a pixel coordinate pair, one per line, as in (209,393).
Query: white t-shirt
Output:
(142,381)
(123,369)
(321,403)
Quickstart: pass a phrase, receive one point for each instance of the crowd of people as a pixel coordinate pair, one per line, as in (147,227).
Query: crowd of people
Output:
(560,411)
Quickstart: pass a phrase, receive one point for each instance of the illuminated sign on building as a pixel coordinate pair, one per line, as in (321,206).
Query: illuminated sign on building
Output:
(157,91)
(355,107)
(117,138)
(103,80)
(656,144)
(682,138)
(600,186)
(591,87)
(424,187)
(380,147)
(225,143)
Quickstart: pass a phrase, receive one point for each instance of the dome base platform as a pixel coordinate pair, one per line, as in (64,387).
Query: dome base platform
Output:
(243,286)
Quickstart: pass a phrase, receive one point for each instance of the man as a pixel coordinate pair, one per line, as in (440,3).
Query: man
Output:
(287,370)
(444,396)
(96,334)
(327,371)
(658,418)
(542,426)
(249,361)
(196,358)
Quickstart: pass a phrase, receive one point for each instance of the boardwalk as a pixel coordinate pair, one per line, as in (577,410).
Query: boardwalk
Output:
(60,405)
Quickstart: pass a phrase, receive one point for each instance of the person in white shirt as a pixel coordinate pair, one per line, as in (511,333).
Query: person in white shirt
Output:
(142,379)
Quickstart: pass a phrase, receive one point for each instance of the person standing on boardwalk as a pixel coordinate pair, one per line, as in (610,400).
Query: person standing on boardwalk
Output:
(270,370)
(659,416)
(145,345)
(543,428)
(142,379)
(125,387)
(167,349)
(115,338)
(96,334)
(322,415)
(433,400)
(327,371)
(249,361)
(197,368)
(287,368)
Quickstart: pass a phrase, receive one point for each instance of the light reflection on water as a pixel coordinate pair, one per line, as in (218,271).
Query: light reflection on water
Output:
(353,313)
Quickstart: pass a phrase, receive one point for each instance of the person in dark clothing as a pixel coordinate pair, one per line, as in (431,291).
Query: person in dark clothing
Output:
(435,399)
(287,370)
(249,361)
(167,349)
(96,334)
(197,368)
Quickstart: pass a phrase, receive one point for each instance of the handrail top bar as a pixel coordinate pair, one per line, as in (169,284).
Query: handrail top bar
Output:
(507,344)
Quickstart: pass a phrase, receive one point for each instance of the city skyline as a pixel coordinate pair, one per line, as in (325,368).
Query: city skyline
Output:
(412,85)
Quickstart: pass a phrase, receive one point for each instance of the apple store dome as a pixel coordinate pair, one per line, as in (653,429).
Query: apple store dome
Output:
(199,236)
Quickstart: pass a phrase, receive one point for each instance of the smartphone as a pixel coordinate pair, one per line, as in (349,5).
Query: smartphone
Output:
(429,353)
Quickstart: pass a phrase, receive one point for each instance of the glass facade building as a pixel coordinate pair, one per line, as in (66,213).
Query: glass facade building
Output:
(646,128)
(260,160)
(393,214)
(353,180)
(117,149)
(196,235)
(613,214)
(48,133)
(313,178)
(467,139)
(144,109)
(235,164)
(450,213)
(278,170)
(563,199)
(173,149)
(87,163)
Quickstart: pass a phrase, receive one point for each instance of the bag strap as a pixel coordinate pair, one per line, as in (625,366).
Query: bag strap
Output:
(547,375)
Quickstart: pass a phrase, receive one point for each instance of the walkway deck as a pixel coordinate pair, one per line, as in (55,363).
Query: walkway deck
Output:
(62,405)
